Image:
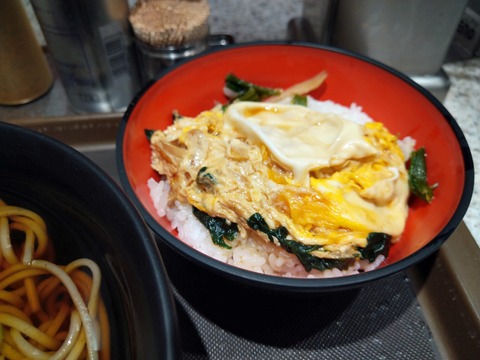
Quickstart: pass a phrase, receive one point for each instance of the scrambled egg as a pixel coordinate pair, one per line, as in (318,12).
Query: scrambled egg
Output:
(327,180)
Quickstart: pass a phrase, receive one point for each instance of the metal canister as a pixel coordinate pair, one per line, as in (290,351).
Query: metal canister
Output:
(91,45)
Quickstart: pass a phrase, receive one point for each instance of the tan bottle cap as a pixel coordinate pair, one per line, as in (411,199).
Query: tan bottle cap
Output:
(170,22)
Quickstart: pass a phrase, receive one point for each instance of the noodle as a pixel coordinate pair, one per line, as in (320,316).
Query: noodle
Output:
(47,311)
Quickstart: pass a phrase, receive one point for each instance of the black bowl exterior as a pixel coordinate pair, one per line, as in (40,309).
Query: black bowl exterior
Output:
(295,285)
(88,215)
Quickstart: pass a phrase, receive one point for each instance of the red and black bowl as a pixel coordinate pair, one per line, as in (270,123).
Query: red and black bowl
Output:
(385,94)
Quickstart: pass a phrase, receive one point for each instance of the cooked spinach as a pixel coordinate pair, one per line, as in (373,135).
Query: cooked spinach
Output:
(220,229)
(301,251)
(377,244)
(149,134)
(205,180)
(299,100)
(417,176)
(247,91)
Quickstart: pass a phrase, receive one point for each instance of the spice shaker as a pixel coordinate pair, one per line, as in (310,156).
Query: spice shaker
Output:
(168,31)
(25,74)
(91,45)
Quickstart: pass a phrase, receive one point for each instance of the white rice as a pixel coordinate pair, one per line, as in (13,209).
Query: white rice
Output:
(251,254)
(255,254)
(407,145)
(353,113)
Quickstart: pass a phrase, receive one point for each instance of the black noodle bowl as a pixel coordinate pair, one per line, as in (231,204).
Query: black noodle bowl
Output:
(87,215)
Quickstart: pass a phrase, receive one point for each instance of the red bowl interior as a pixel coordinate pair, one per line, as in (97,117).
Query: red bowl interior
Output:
(383,94)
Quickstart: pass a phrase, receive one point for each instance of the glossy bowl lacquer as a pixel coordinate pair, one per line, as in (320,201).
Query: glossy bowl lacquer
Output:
(386,95)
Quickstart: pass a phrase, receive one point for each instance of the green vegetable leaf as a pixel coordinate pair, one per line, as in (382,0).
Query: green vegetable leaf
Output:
(301,251)
(205,180)
(149,134)
(218,227)
(377,244)
(246,91)
(309,261)
(299,100)
(417,176)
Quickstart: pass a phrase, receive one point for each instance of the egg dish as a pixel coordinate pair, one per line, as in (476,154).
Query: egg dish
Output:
(282,188)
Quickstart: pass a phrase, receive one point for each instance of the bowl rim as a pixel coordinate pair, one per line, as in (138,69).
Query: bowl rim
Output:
(300,285)
(158,282)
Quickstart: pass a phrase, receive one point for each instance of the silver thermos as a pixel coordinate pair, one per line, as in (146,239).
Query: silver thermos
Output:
(92,49)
